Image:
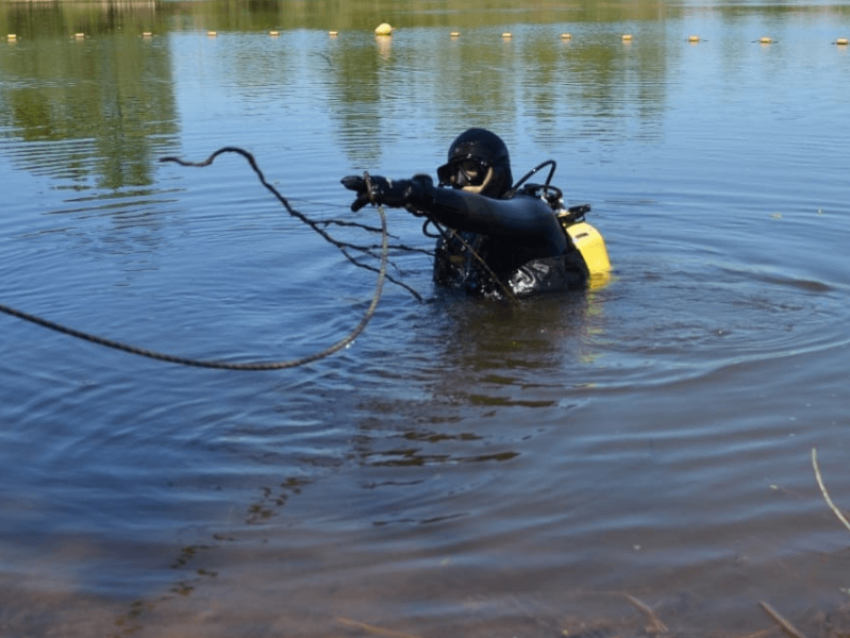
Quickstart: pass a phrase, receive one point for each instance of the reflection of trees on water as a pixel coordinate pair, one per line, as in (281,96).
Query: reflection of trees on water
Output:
(576,88)
(356,75)
(476,83)
(478,78)
(450,14)
(32,19)
(563,90)
(110,93)
(262,69)
(618,85)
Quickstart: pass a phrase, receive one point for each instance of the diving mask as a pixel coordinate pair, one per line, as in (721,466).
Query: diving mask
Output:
(464,171)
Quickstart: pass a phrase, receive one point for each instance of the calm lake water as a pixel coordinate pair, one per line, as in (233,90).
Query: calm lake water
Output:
(464,468)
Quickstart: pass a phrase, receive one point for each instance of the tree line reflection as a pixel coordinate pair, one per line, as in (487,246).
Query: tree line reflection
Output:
(116,88)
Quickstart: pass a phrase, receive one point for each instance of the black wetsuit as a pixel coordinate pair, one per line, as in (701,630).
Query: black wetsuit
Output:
(521,241)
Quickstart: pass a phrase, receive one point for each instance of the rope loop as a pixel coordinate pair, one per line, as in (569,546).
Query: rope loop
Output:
(249,365)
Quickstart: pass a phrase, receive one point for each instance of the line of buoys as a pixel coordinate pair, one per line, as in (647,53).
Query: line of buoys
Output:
(385,29)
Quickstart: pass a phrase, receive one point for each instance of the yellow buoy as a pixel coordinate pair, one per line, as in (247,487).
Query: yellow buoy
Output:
(454,34)
(80,36)
(212,34)
(274,34)
(842,42)
(147,34)
(11,37)
(566,36)
(627,37)
(765,39)
(384,29)
(333,34)
(507,35)
(693,38)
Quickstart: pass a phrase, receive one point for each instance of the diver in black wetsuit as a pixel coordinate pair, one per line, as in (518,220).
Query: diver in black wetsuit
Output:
(517,235)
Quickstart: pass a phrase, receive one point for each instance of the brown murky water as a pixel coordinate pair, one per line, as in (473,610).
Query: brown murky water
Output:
(464,468)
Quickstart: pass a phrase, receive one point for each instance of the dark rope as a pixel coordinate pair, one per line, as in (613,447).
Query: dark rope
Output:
(223,365)
(315,225)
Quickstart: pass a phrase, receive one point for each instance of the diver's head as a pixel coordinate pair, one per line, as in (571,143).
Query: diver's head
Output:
(478,163)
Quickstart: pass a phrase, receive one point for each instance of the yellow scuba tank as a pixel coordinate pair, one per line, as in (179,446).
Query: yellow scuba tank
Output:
(589,243)
(587,240)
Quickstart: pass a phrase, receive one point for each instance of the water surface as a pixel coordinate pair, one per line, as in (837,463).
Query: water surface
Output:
(463,468)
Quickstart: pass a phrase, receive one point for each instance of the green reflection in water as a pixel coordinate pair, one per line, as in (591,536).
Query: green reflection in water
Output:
(35,20)
(114,89)
(113,94)
(110,91)
(342,15)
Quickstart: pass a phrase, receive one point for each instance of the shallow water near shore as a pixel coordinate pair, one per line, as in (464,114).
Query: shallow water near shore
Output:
(464,468)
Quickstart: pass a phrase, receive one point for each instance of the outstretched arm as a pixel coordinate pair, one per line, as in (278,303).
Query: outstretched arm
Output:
(522,216)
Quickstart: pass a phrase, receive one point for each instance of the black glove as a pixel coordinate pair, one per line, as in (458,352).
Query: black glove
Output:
(396,193)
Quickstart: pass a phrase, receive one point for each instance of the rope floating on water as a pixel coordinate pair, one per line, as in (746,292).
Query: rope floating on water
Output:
(317,226)
(251,365)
